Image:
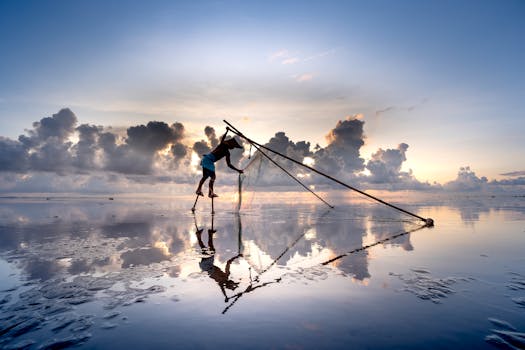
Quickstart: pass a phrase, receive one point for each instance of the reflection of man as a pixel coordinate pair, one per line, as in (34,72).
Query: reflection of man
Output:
(207,264)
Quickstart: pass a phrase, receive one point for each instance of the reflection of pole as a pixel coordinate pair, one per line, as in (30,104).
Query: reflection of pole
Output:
(381,241)
(239,226)
(195,222)
(428,222)
(251,288)
(212,208)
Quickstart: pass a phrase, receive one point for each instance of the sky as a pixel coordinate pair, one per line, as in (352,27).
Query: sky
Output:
(444,78)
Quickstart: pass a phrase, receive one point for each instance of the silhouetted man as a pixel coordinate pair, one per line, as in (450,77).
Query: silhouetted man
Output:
(208,166)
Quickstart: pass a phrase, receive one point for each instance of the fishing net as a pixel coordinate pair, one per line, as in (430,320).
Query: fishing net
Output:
(267,175)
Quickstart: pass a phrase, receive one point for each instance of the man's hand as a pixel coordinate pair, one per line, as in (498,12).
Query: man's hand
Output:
(241,171)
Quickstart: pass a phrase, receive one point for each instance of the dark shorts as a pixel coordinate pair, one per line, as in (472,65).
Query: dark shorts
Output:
(206,173)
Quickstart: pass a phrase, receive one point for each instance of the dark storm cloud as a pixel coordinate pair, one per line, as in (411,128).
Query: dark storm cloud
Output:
(139,152)
(49,147)
(61,125)
(201,148)
(154,136)
(178,150)
(342,154)
(13,155)
(385,165)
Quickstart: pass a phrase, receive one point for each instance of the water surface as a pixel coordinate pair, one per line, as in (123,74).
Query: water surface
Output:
(147,273)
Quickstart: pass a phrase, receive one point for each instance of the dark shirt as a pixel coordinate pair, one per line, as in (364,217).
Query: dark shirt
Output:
(221,151)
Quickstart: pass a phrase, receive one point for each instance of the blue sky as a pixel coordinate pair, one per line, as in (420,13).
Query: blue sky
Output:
(445,77)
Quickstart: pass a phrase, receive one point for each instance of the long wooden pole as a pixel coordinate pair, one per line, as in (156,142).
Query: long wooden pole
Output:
(428,221)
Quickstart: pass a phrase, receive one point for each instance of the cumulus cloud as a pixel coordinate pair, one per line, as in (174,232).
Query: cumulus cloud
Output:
(57,154)
(139,152)
(385,165)
(467,180)
(49,147)
(342,154)
(59,126)
(86,147)
(13,155)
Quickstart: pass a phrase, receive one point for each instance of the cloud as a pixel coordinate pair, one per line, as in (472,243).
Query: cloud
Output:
(514,173)
(520,181)
(139,152)
(48,147)
(56,154)
(86,148)
(342,154)
(410,108)
(284,57)
(340,158)
(304,77)
(320,55)
(13,155)
(384,110)
(60,126)
(278,55)
(467,180)
(210,134)
(385,165)
(290,60)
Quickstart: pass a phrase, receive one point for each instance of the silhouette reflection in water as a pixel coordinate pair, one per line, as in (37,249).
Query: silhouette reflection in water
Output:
(207,263)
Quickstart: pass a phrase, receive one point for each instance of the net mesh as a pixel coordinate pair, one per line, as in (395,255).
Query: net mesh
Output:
(262,179)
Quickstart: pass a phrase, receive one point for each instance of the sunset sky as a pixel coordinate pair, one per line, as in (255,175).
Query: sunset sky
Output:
(447,78)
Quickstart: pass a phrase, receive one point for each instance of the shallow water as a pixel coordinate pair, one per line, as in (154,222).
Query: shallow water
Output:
(143,273)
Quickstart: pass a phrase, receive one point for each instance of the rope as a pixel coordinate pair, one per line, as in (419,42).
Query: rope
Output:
(293,177)
(428,221)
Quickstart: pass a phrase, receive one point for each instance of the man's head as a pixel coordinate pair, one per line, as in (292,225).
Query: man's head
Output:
(232,143)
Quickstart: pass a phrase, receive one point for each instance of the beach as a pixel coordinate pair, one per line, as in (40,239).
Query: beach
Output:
(143,272)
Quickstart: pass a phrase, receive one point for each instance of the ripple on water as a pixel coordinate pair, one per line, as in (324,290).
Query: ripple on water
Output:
(506,337)
(51,305)
(422,284)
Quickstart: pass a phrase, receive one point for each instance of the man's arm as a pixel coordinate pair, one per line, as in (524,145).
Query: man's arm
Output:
(228,161)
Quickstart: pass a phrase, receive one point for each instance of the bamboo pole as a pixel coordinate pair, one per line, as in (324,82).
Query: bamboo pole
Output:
(428,221)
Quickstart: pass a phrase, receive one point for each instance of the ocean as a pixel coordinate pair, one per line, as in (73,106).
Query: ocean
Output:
(284,272)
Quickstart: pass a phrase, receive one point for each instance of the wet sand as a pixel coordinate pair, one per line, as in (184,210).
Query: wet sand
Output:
(146,273)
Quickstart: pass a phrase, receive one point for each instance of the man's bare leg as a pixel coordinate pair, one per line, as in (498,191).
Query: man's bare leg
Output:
(211,194)
(199,189)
